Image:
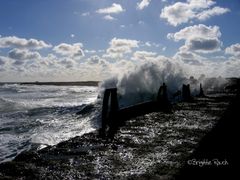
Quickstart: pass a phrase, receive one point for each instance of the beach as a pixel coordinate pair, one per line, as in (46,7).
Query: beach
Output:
(151,146)
(128,90)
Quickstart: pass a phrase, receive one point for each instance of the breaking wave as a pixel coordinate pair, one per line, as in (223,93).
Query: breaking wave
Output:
(143,81)
(37,116)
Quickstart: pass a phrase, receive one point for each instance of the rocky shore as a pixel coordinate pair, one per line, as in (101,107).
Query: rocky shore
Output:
(152,146)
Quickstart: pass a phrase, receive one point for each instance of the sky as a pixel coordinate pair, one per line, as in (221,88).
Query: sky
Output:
(78,40)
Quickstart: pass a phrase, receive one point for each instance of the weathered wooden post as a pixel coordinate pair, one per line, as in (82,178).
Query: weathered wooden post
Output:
(186,94)
(110,108)
(201,93)
(162,94)
(104,112)
(114,107)
(162,98)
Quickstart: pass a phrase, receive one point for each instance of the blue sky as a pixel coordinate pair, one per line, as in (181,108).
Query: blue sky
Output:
(87,28)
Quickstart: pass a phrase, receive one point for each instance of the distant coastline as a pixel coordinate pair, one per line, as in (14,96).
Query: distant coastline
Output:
(73,83)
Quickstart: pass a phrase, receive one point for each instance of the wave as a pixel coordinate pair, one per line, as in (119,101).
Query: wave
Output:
(39,127)
(143,82)
(10,88)
(82,109)
(7,112)
(35,116)
(7,105)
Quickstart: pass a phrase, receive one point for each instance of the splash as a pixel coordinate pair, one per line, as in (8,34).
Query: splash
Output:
(142,83)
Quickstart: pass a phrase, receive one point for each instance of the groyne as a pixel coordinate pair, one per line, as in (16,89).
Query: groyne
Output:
(113,117)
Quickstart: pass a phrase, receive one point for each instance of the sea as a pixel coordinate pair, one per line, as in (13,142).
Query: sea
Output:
(36,116)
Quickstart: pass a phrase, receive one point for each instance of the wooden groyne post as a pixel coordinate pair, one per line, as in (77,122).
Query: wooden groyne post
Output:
(186,93)
(113,117)
(201,92)
(162,99)
(162,93)
(110,108)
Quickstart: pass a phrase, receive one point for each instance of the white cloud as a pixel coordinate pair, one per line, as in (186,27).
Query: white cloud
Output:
(90,51)
(114,9)
(143,4)
(118,47)
(231,67)
(67,63)
(183,12)
(22,54)
(196,31)
(143,55)
(13,41)
(72,50)
(85,14)
(109,18)
(2,60)
(96,67)
(200,4)
(150,44)
(188,57)
(199,38)
(197,64)
(212,12)
(49,61)
(93,59)
(203,45)
(96,60)
(177,13)
(233,50)
(72,35)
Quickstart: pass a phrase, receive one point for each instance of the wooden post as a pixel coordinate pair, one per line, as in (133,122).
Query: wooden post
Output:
(114,107)
(162,99)
(109,109)
(162,93)
(186,94)
(201,93)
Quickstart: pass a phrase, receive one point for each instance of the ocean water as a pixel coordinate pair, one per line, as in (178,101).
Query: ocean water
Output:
(33,116)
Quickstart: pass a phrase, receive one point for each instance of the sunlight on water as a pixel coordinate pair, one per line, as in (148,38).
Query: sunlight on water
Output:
(43,115)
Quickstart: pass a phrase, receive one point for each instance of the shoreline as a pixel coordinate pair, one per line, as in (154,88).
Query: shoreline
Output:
(73,83)
(154,145)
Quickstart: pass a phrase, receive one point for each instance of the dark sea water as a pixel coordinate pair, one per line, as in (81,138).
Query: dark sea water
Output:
(33,116)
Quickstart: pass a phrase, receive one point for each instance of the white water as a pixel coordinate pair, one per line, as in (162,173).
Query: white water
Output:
(143,82)
(46,115)
(32,115)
